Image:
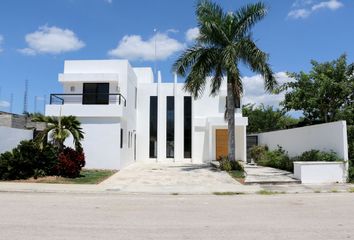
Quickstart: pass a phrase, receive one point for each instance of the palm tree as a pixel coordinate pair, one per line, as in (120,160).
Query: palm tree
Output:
(60,128)
(225,40)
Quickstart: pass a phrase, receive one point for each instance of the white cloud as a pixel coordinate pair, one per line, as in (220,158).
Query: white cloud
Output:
(302,3)
(4,104)
(304,8)
(299,13)
(134,47)
(51,40)
(331,4)
(254,92)
(192,34)
(1,42)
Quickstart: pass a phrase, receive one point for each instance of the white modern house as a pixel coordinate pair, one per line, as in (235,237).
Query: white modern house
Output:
(128,117)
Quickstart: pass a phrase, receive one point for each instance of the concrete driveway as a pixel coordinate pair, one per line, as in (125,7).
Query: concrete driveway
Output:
(173,178)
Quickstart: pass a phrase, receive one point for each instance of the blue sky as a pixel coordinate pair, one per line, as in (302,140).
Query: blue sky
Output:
(37,36)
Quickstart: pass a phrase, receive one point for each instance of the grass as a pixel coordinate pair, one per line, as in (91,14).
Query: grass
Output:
(317,191)
(334,191)
(227,193)
(269,192)
(351,190)
(237,175)
(87,176)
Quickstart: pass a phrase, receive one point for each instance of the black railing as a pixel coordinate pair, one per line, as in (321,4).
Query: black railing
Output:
(88,98)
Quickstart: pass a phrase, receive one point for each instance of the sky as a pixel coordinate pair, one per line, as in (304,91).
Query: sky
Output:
(36,36)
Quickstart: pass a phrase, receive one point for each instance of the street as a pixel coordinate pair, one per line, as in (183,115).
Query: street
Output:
(115,216)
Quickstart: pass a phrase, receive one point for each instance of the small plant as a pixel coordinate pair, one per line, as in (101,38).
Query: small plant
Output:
(277,159)
(227,165)
(70,163)
(269,192)
(351,190)
(257,152)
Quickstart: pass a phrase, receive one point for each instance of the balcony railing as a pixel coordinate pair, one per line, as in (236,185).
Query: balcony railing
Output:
(88,98)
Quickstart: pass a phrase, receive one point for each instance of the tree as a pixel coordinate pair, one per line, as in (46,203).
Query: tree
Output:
(225,40)
(265,118)
(60,128)
(323,94)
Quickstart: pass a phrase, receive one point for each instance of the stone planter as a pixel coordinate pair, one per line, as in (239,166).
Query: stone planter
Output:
(320,172)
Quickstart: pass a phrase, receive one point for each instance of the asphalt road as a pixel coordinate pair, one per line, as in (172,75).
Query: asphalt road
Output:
(113,216)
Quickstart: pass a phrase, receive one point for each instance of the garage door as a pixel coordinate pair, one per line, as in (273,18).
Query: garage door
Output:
(221,143)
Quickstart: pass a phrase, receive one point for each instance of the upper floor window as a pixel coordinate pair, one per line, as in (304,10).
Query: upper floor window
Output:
(95,93)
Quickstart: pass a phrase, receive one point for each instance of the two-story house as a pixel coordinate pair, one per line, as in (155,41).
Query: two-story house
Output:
(128,117)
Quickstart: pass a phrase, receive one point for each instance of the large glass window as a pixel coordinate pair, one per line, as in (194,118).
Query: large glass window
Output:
(95,93)
(170,127)
(187,120)
(153,127)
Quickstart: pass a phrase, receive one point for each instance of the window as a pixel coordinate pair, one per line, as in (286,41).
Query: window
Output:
(187,121)
(72,89)
(129,139)
(153,127)
(95,93)
(170,127)
(121,138)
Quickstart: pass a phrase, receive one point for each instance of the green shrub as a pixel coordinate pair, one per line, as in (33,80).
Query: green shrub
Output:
(351,173)
(277,159)
(317,155)
(27,160)
(227,165)
(257,152)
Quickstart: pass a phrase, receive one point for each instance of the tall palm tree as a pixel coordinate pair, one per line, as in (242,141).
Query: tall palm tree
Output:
(225,40)
(60,128)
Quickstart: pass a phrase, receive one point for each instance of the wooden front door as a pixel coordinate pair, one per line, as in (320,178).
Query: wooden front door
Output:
(221,143)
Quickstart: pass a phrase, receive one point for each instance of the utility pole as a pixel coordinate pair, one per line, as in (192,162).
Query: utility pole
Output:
(25,97)
(155,57)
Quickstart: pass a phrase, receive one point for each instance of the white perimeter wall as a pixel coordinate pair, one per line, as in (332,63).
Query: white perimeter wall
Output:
(325,137)
(11,137)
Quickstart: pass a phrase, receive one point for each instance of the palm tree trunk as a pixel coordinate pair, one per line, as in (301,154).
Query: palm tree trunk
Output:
(230,119)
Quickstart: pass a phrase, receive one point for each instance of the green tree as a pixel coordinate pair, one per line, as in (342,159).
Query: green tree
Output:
(225,40)
(59,129)
(323,94)
(265,118)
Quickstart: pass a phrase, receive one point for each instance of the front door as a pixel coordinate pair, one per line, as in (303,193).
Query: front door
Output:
(221,143)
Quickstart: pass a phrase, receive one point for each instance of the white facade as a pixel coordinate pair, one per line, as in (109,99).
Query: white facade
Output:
(129,112)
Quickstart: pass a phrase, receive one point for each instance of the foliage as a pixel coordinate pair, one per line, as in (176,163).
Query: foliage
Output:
(317,155)
(27,160)
(225,40)
(70,163)
(324,94)
(277,159)
(60,128)
(257,152)
(227,165)
(265,118)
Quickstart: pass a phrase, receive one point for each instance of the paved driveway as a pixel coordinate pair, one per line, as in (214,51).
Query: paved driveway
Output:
(173,178)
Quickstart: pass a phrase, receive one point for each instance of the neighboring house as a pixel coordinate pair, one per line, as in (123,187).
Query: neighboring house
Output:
(128,117)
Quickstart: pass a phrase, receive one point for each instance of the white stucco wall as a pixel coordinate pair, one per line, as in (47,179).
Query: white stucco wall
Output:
(11,137)
(324,137)
(320,172)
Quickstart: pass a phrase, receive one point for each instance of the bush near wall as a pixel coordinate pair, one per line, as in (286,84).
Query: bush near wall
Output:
(350,132)
(29,160)
(280,159)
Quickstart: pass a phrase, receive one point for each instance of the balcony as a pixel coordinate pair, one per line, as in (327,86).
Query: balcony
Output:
(88,98)
(86,105)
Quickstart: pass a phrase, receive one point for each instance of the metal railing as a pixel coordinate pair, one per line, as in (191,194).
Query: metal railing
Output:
(87,98)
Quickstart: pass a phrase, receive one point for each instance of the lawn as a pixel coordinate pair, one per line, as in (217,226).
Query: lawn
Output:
(87,176)
(238,175)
